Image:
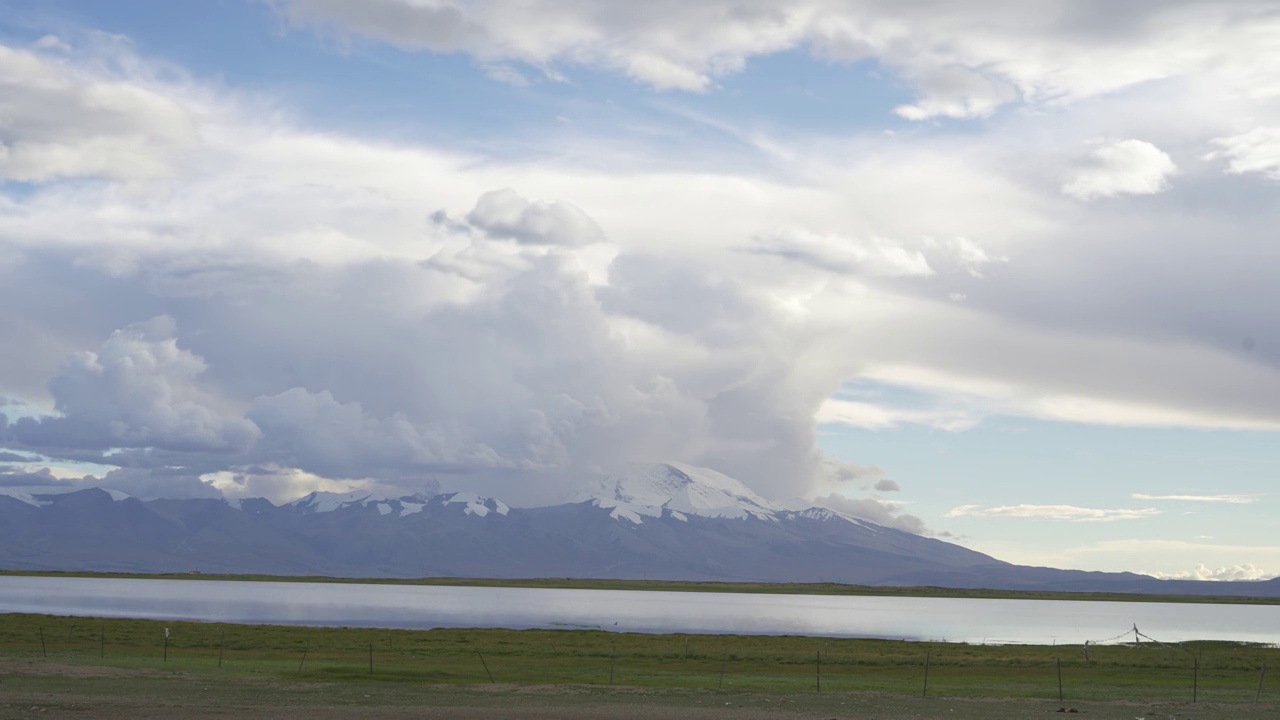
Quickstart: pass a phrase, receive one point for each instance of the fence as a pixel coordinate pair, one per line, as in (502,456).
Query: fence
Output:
(1146,670)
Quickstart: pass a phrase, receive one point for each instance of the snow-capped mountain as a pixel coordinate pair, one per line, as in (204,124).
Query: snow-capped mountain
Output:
(640,491)
(662,521)
(326,502)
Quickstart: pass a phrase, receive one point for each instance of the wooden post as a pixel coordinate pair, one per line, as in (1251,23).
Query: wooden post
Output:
(166,645)
(1059,679)
(102,642)
(613,655)
(723,660)
(1195,679)
(1261,675)
(1086,651)
(370,658)
(222,637)
(305,648)
(926,674)
(486,666)
(818,679)
(43,651)
(686,647)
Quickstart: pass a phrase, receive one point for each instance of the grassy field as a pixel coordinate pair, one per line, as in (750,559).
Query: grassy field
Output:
(1227,672)
(688,586)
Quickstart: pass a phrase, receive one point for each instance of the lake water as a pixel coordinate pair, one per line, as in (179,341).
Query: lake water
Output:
(423,606)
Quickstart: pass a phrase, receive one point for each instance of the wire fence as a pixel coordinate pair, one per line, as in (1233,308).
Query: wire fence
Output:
(1129,666)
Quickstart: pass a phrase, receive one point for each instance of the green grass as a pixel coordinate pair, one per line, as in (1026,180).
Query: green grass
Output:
(688,586)
(1228,672)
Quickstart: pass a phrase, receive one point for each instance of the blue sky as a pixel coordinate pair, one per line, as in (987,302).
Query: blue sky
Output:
(1012,259)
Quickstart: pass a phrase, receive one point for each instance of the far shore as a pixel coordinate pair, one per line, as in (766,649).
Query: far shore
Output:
(683,586)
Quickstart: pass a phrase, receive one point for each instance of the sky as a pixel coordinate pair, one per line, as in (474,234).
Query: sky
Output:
(1000,274)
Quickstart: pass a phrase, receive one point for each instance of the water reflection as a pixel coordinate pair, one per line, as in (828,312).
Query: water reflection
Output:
(421,606)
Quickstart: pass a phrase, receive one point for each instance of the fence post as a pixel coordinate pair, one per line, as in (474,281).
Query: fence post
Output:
(222,637)
(486,667)
(1059,679)
(926,674)
(818,679)
(305,648)
(43,651)
(723,660)
(166,644)
(370,658)
(1195,679)
(613,655)
(686,648)
(102,642)
(1261,675)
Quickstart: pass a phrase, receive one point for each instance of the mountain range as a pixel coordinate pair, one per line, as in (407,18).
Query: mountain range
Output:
(663,521)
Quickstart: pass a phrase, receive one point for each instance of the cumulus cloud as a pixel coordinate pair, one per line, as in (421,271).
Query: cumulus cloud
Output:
(503,214)
(887,485)
(139,390)
(503,345)
(1053,512)
(1257,151)
(1121,167)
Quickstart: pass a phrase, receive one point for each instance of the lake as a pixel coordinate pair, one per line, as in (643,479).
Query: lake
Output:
(423,606)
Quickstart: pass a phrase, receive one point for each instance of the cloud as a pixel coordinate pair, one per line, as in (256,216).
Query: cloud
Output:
(1053,512)
(1230,499)
(139,390)
(881,513)
(66,121)
(875,257)
(956,92)
(503,214)
(11,476)
(887,485)
(1229,573)
(963,62)
(1255,151)
(967,254)
(1121,167)
(312,302)
(876,416)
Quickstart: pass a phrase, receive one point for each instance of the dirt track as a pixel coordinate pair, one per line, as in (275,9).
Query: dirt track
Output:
(50,690)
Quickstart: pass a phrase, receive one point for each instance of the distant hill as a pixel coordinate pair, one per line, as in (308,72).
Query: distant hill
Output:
(664,521)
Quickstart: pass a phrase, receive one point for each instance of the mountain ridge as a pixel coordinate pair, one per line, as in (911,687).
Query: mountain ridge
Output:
(664,521)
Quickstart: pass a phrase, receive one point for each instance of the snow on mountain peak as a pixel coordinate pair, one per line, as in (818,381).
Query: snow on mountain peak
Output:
(639,491)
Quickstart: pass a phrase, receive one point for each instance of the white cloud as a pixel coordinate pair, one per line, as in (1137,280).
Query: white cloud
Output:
(300,268)
(139,391)
(1255,151)
(1121,167)
(964,61)
(1246,571)
(503,214)
(874,256)
(1053,512)
(873,416)
(63,120)
(1229,499)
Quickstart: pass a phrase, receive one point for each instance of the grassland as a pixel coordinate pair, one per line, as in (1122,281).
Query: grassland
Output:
(1221,672)
(688,586)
